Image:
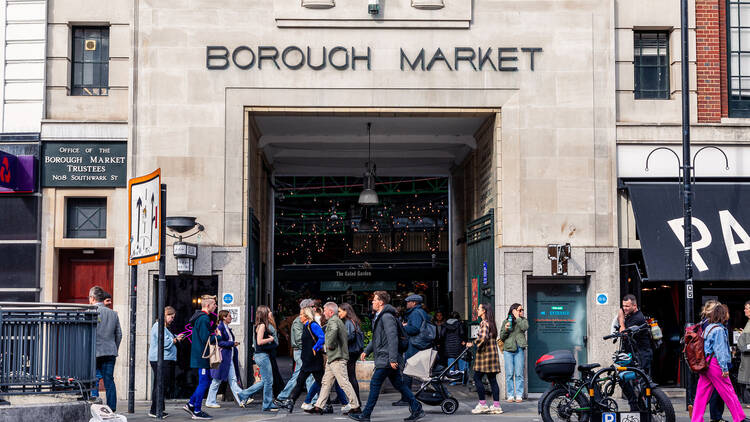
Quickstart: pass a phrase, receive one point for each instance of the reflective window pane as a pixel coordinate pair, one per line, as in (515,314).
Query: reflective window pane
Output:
(18,262)
(19,218)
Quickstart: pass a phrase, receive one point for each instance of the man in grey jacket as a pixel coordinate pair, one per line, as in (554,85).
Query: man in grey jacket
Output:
(384,345)
(108,337)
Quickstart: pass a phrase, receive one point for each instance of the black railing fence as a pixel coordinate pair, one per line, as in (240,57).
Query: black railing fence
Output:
(47,348)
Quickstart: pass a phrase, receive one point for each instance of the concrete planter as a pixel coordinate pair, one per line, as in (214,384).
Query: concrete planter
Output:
(364,375)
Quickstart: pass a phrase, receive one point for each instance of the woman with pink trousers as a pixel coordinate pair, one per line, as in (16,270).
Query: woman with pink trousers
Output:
(716,348)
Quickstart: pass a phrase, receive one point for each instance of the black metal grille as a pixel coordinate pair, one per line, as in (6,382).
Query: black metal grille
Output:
(87,218)
(47,348)
(651,63)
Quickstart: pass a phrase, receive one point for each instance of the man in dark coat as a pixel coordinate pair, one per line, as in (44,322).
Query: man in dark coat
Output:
(388,360)
(201,322)
(414,317)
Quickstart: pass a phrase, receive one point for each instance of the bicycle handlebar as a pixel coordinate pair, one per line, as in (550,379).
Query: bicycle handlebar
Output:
(627,331)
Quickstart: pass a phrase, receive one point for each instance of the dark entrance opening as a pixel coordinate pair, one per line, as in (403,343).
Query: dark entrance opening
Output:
(183,293)
(329,247)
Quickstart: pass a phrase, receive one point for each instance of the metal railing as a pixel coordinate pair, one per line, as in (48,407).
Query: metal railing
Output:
(47,348)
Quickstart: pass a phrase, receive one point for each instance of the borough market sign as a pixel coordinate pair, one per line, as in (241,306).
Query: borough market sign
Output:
(84,164)
(500,59)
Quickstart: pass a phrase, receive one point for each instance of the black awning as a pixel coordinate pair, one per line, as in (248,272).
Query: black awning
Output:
(721,219)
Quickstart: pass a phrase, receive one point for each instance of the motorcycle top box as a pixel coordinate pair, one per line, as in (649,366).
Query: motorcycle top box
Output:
(558,365)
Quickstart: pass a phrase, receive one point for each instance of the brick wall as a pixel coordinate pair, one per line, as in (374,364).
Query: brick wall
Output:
(712,98)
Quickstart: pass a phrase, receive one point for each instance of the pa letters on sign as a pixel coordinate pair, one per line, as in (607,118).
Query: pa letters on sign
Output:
(729,228)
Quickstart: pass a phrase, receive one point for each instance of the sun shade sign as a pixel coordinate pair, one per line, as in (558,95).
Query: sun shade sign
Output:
(144,224)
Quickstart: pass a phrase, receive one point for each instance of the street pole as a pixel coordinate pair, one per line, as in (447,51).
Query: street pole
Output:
(131,345)
(687,206)
(160,303)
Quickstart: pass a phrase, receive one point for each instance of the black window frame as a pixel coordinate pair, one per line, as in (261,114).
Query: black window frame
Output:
(99,65)
(95,232)
(737,107)
(638,67)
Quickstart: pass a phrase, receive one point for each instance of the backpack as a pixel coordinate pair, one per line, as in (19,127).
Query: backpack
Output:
(426,336)
(692,349)
(403,339)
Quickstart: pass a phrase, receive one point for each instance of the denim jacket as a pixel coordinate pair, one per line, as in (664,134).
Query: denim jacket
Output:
(715,343)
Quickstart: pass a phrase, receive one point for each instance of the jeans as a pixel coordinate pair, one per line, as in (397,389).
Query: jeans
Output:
(106,366)
(462,366)
(233,385)
(168,377)
(492,378)
(266,383)
(95,391)
(376,383)
(284,394)
(514,366)
(314,389)
(204,380)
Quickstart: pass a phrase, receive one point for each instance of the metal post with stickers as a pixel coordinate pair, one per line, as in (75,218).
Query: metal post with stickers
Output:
(147,199)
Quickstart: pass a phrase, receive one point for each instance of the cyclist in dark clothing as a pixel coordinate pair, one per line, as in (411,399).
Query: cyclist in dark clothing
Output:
(629,317)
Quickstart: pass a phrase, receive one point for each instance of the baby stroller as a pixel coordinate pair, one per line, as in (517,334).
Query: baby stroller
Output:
(432,391)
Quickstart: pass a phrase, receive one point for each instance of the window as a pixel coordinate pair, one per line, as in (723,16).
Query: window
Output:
(90,69)
(86,218)
(651,60)
(19,217)
(739,58)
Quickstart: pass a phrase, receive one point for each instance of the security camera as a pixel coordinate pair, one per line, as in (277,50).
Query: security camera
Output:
(373,7)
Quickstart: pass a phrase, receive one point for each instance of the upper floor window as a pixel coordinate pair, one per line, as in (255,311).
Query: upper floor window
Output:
(90,68)
(651,63)
(739,58)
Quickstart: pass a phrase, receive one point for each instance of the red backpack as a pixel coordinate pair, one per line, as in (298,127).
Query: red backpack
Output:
(692,348)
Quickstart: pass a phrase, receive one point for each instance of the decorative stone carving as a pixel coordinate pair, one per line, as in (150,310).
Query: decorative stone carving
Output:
(319,4)
(427,4)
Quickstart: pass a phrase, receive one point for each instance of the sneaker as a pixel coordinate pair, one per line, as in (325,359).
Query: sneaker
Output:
(189,408)
(480,408)
(519,399)
(511,399)
(271,409)
(359,417)
(246,402)
(212,405)
(201,415)
(415,416)
(495,410)
(307,406)
(163,415)
(346,409)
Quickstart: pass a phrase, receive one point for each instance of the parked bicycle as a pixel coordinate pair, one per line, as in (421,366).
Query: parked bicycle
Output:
(590,396)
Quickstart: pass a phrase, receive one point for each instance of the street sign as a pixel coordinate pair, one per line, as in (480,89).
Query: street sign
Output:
(228,298)
(144,224)
(602,299)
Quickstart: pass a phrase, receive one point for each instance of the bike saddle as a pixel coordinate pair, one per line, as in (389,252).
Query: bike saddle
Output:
(588,367)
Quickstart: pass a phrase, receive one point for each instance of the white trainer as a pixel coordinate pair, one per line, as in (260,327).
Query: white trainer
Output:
(496,410)
(346,409)
(307,406)
(480,408)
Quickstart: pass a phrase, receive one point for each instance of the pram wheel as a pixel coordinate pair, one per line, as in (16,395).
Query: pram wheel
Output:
(449,406)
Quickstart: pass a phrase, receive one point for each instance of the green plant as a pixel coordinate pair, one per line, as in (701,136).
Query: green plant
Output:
(366,326)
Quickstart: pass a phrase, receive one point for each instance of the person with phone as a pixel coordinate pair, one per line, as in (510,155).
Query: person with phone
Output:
(513,335)
(170,357)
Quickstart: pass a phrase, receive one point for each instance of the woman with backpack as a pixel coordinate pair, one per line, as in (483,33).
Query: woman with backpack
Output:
(513,335)
(313,339)
(718,355)
(487,361)
(356,342)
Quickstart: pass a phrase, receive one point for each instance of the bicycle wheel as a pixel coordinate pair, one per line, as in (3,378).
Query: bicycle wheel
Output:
(558,407)
(661,407)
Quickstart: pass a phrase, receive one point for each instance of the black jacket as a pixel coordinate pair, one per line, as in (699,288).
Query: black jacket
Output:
(453,333)
(384,342)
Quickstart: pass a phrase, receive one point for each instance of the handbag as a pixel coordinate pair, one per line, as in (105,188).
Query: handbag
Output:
(214,354)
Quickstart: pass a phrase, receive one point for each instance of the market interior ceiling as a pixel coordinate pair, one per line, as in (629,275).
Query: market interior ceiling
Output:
(337,145)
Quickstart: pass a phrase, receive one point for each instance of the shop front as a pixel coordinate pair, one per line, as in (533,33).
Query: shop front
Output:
(721,261)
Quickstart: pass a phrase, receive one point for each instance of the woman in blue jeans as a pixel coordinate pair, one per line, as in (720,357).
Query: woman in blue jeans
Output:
(265,342)
(513,334)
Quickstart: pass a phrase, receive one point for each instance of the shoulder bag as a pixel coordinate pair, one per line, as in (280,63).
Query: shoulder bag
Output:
(214,354)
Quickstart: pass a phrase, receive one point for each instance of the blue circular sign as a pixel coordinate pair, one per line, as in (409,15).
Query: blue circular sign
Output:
(228,298)
(601,299)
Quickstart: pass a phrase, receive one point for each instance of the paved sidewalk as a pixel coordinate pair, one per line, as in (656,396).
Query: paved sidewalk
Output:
(525,411)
